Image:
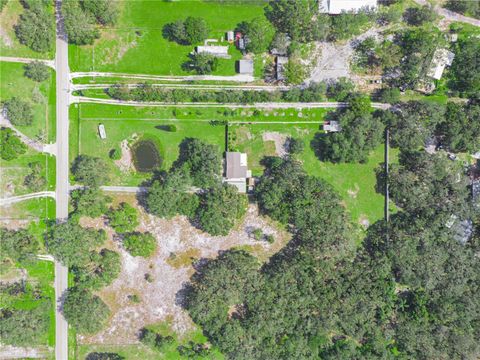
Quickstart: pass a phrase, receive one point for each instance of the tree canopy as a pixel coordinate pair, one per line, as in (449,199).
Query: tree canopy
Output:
(18,111)
(259,32)
(140,244)
(90,202)
(192,30)
(90,171)
(37,71)
(36,28)
(18,245)
(12,146)
(124,218)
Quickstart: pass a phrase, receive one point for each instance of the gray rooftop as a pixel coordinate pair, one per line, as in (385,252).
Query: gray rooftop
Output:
(236,165)
(245,66)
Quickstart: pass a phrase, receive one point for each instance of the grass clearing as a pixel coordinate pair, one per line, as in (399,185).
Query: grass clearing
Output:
(41,96)
(9,44)
(138,35)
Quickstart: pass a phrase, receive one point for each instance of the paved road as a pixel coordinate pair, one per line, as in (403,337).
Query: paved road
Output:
(16,199)
(235,78)
(63,89)
(450,15)
(266,105)
(50,63)
(47,148)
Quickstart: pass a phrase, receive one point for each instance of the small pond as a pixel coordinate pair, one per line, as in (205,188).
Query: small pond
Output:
(146,156)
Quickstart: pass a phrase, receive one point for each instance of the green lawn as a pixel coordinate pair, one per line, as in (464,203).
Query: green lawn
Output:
(136,44)
(41,96)
(9,44)
(13,173)
(354,182)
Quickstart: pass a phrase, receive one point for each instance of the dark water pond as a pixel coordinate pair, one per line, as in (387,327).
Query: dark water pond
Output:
(146,156)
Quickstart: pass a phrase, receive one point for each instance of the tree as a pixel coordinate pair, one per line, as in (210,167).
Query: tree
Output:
(360,133)
(154,340)
(12,146)
(105,11)
(168,196)
(87,313)
(79,25)
(460,131)
(35,181)
(220,208)
(418,15)
(102,268)
(37,71)
(203,63)
(346,25)
(21,327)
(295,72)
(465,69)
(18,245)
(259,33)
(71,244)
(36,29)
(124,218)
(19,112)
(389,95)
(203,161)
(196,30)
(140,244)
(104,356)
(296,18)
(91,202)
(340,89)
(295,145)
(466,7)
(90,171)
(280,43)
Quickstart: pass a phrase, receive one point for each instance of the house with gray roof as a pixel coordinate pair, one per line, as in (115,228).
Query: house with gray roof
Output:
(236,170)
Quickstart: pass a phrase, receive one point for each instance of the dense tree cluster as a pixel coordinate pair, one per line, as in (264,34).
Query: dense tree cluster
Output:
(192,30)
(17,245)
(100,270)
(18,111)
(259,33)
(12,146)
(465,70)
(82,18)
(360,133)
(465,7)
(90,202)
(36,26)
(154,340)
(417,16)
(202,63)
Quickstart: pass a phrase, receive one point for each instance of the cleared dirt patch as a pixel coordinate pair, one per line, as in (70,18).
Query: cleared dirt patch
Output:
(279,141)
(160,298)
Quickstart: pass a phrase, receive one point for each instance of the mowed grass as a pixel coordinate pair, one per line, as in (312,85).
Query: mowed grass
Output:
(13,83)
(355,183)
(9,44)
(136,43)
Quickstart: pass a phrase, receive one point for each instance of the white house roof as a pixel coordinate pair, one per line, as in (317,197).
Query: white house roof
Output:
(335,7)
(245,67)
(216,50)
(441,58)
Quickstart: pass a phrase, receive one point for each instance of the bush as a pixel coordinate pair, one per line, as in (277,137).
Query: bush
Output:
(36,29)
(12,146)
(35,181)
(37,71)
(103,356)
(19,112)
(389,95)
(257,234)
(124,218)
(115,154)
(418,16)
(154,340)
(192,30)
(203,63)
(295,145)
(90,171)
(140,244)
(269,238)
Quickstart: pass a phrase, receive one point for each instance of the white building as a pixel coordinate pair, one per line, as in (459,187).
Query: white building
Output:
(245,66)
(215,50)
(441,58)
(332,126)
(101,131)
(236,170)
(335,7)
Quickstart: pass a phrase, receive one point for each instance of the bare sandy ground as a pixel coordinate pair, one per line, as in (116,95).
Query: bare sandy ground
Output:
(170,267)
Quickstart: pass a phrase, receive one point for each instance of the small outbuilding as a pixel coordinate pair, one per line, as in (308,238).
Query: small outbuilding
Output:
(230,36)
(236,170)
(441,59)
(215,50)
(280,62)
(245,67)
(332,126)
(101,131)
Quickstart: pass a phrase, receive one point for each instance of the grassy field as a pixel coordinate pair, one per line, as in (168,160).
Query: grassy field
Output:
(9,44)
(354,182)
(136,44)
(141,351)
(41,96)
(13,172)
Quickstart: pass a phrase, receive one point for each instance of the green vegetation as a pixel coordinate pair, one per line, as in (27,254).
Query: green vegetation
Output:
(12,146)
(138,34)
(259,32)
(140,244)
(90,171)
(19,112)
(124,218)
(37,71)
(40,97)
(90,202)
(465,7)
(193,30)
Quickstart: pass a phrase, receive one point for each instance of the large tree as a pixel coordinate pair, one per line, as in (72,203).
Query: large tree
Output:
(18,245)
(140,244)
(123,218)
(90,171)
(36,29)
(86,312)
(90,202)
(18,111)
(101,269)
(12,146)
(259,32)
(465,70)
(37,71)
(79,24)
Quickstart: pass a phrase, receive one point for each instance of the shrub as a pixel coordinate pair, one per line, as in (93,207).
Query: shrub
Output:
(269,238)
(37,71)
(257,234)
(35,181)
(115,154)
(19,112)
(124,218)
(140,244)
